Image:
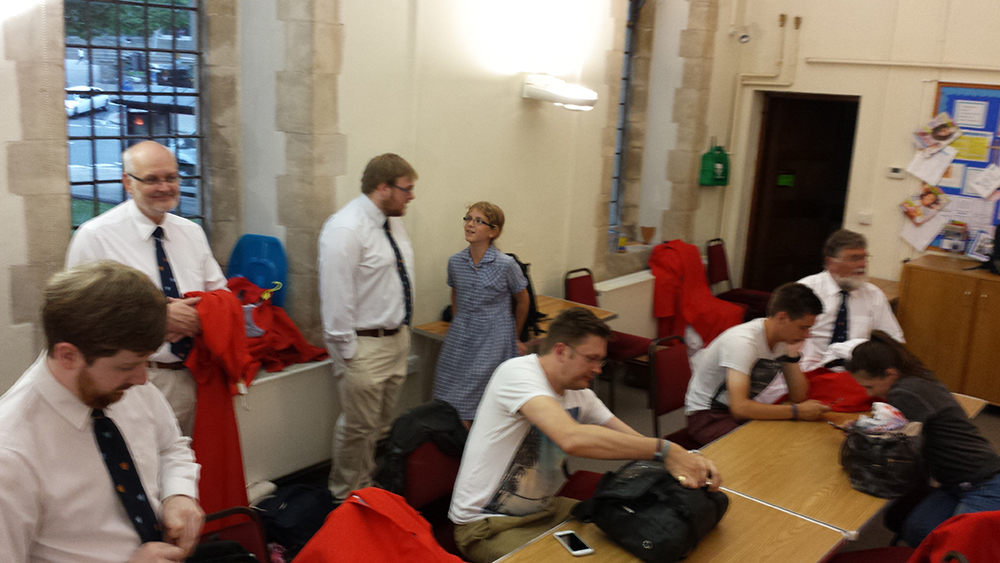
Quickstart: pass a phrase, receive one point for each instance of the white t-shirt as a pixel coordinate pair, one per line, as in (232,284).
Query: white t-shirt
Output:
(743,348)
(509,468)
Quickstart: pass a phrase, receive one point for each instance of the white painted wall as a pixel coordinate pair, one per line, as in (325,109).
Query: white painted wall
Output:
(665,74)
(894,101)
(428,80)
(16,341)
(262,52)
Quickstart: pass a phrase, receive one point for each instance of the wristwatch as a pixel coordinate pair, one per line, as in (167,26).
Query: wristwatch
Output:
(662,452)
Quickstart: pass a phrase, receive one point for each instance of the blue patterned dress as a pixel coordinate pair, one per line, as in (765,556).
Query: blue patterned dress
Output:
(481,336)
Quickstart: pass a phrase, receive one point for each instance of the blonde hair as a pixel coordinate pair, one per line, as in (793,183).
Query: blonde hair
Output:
(493,214)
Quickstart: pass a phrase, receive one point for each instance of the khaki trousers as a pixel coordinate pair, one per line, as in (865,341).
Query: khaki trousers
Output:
(368,389)
(489,539)
(181,392)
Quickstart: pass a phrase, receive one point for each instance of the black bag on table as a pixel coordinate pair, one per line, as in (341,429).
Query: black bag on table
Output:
(885,465)
(221,552)
(643,508)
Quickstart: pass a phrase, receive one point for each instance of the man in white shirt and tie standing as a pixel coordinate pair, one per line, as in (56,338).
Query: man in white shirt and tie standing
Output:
(366,299)
(172,251)
(852,307)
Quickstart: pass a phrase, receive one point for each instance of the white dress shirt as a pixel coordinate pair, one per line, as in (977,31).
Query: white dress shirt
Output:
(359,286)
(867,310)
(57,500)
(125,235)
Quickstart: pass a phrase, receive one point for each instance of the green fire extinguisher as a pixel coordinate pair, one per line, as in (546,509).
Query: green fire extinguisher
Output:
(714,167)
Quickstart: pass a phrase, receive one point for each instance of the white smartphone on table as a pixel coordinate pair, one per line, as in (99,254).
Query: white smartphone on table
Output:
(573,543)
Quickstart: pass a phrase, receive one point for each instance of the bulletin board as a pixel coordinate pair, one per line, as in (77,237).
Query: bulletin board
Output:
(976,109)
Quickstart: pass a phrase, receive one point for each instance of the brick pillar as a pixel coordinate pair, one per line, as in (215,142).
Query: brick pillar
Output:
(315,153)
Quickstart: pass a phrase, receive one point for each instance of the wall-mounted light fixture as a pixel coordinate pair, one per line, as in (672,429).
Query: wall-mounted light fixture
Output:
(551,89)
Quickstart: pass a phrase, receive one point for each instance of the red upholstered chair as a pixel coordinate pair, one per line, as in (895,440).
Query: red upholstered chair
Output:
(670,372)
(754,300)
(243,526)
(877,555)
(430,479)
(622,347)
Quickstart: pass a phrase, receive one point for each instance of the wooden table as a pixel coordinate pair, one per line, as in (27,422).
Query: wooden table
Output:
(550,306)
(750,532)
(794,466)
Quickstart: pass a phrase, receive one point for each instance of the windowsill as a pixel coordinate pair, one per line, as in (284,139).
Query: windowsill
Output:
(267,377)
(624,263)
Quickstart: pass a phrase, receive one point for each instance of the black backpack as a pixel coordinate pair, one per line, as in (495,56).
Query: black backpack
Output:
(643,508)
(294,514)
(531,324)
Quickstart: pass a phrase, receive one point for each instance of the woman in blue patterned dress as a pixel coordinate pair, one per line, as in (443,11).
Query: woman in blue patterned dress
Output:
(484,326)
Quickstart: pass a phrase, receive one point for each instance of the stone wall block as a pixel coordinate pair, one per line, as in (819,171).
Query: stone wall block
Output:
(324,106)
(296,10)
(222,49)
(223,148)
(677,224)
(684,196)
(298,49)
(301,247)
(703,15)
(26,291)
(225,198)
(640,100)
(48,227)
(644,41)
(680,166)
(697,44)
(36,34)
(629,218)
(697,74)
(328,44)
(692,138)
(302,303)
(223,239)
(37,167)
(633,192)
(326,11)
(640,71)
(299,154)
(304,202)
(294,99)
(689,107)
(637,133)
(221,7)
(223,96)
(43,115)
(633,164)
(330,155)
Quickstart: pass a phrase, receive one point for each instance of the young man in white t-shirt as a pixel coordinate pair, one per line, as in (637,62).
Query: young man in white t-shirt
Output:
(747,369)
(535,411)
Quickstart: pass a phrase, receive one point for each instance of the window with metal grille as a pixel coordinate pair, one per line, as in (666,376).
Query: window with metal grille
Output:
(621,133)
(132,73)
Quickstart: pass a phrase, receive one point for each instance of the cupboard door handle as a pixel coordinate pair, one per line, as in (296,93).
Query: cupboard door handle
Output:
(968,293)
(983,296)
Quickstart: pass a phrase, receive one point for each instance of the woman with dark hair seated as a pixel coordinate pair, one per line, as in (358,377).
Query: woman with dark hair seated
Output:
(957,455)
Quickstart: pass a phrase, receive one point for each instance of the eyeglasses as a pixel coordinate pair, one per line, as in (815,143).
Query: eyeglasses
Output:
(478,221)
(408,190)
(855,258)
(590,360)
(153,180)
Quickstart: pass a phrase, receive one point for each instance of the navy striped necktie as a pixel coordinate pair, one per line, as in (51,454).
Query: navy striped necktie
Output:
(182,347)
(114,450)
(401,268)
(840,325)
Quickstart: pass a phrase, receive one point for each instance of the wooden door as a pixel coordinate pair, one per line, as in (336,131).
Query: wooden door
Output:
(800,187)
(935,311)
(982,372)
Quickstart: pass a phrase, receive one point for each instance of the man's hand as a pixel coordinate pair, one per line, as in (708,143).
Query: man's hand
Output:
(692,470)
(182,318)
(812,409)
(182,519)
(158,552)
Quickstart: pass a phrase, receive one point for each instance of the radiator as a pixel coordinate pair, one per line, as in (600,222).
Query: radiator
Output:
(631,297)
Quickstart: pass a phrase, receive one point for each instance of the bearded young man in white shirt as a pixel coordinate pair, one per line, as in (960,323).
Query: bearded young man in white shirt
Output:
(867,308)
(127,234)
(366,300)
(59,500)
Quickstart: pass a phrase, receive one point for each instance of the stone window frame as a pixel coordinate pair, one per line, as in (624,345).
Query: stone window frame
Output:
(37,163)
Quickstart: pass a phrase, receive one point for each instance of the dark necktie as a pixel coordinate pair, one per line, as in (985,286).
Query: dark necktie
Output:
(182,347)
(401,268)
(114,450)
(840,326)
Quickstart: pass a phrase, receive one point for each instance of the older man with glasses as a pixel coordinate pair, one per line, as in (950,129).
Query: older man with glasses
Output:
(852,307)
(172,251)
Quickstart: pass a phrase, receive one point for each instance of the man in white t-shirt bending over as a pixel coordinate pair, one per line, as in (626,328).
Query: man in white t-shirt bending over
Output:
(536,410)
(742,373)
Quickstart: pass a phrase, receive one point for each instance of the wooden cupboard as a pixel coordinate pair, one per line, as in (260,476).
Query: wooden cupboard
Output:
(951,320)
